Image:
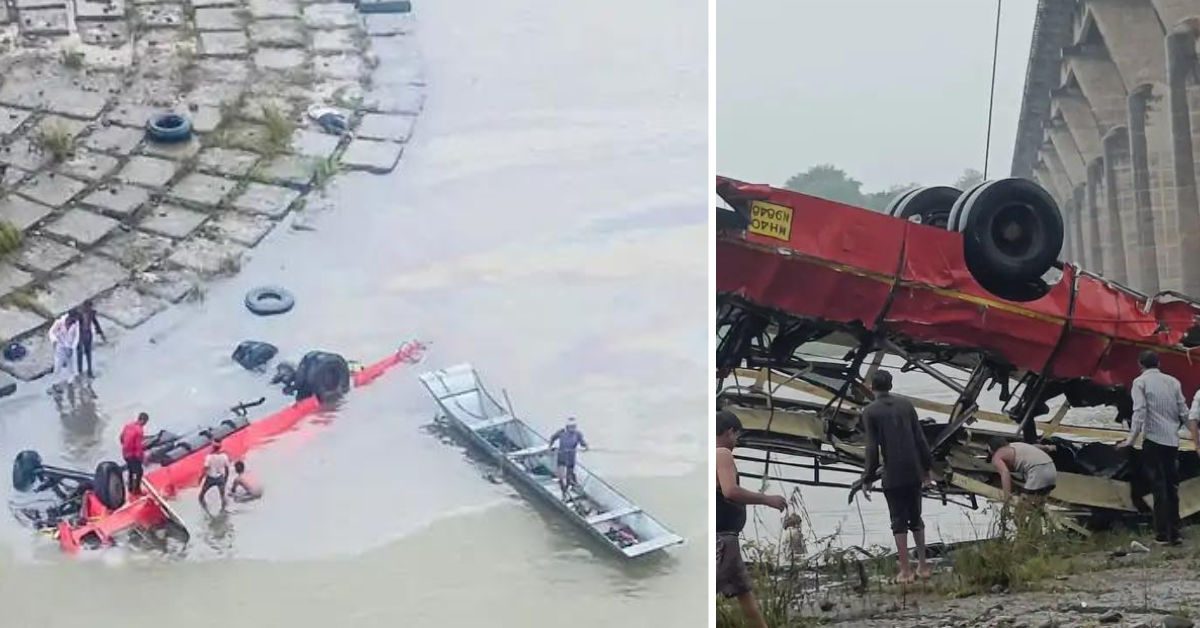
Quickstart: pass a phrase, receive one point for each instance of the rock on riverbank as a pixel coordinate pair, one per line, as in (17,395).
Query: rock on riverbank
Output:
(106,213)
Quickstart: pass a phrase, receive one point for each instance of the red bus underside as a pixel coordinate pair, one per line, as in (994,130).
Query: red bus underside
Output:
(845,264)
(147,512)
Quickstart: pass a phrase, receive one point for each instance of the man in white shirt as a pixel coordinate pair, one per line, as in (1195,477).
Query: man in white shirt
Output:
(64,338)
(216,474)
(1159,410)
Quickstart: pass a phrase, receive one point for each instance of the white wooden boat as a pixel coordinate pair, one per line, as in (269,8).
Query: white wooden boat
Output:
(525,456)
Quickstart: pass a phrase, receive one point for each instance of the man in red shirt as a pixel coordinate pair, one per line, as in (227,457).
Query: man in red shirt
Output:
(133,448)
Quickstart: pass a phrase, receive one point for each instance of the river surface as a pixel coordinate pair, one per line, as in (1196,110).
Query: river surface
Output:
(547,224)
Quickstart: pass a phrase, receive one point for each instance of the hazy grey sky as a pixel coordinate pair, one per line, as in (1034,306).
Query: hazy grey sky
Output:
(891,91)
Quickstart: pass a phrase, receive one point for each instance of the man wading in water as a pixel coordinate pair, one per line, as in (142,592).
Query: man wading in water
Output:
(216,475)
(733,579)
(892,426)
(568,439)
(64,338)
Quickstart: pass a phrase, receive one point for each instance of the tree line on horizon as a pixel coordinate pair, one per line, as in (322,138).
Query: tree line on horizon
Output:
(830,182)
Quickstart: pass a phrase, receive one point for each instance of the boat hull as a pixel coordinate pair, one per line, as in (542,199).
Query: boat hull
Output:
(596,508)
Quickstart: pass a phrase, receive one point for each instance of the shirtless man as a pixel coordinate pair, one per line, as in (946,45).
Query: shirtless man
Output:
(244,488)
(733,579)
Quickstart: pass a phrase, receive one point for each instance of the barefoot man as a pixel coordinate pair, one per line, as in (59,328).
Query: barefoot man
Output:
(733,579)
(892,426)
(215,475)
(569,439)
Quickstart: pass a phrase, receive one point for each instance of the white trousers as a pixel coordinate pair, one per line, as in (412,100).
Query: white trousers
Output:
(64,363)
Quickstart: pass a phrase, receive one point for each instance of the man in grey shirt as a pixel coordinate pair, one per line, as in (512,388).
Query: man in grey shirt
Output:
(892,426)
(1159,410)
(568,438)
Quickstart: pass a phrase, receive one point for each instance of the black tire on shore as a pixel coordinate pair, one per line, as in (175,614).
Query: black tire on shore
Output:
(169,128)
(26,466)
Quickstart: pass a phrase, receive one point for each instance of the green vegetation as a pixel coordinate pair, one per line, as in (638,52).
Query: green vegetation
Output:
(56,140)
(229,265)
(26,299)
(346,99)
(323,171)
(1025,547)
(778,590)
(789,573)
(280,129)
(10,238)
(830,182)
(72,59)
(792,576)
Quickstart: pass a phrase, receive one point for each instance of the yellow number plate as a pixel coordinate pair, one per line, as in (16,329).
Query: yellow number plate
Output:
(771,220)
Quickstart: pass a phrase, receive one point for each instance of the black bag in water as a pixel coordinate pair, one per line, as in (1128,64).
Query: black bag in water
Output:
(252,354)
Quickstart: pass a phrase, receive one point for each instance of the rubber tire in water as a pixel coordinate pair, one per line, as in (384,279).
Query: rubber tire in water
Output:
(169,128)
(109,485)
(25,469)
(929,205)
(1020,205)
(324,375)
(269,300)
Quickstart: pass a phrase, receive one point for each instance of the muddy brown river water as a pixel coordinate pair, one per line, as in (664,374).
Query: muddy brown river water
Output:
(547,224)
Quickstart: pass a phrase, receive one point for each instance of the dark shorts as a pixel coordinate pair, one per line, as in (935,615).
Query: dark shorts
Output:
(566,459)
(904,506)
(733,579)
(210,481)
(1039,492)
(134,465)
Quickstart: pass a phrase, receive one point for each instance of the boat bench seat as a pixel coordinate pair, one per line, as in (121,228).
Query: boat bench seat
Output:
(651,545)
(490,423)
(529,451)
(612,514)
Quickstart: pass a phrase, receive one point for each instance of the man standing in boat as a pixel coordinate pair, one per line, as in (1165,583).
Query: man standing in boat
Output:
(733,579)
(568,438)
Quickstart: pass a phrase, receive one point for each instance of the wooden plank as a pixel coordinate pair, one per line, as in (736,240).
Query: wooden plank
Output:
(612,514)
(529,451)
(483,425)
(1189,497)
(1055,423)
(1085,490)
(995,494)
(799,424)
(945,408)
